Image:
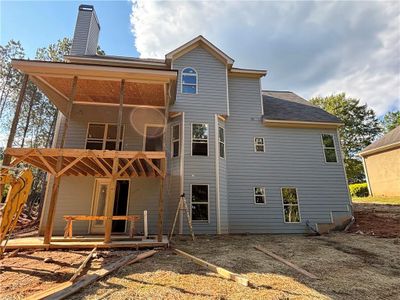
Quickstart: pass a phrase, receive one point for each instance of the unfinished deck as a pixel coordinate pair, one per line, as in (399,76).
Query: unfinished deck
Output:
(86,242)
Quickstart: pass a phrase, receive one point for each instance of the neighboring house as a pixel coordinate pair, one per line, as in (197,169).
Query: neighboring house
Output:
(381,162)
(248,160)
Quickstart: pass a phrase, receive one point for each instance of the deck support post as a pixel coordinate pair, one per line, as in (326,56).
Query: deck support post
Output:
(111,188)
(56,183)
(163,167)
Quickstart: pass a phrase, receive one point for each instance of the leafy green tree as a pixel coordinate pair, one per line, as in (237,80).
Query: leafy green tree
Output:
(361,127)
(391,120)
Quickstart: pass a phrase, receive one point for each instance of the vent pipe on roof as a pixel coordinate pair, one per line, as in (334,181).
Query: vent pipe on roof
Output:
(86,33)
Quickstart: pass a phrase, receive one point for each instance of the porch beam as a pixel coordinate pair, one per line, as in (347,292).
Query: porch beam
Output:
(56,184)
(113,183)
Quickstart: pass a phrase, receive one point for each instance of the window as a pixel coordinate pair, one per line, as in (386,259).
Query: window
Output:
(259,195)
(328,144)
(153,138)
(175,137)
(291,212)
(221,138)
(103,136)
(189,81)
(200,139)
(199,197)
(259,144)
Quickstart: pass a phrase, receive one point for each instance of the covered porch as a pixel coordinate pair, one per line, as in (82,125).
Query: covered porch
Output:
(71,85)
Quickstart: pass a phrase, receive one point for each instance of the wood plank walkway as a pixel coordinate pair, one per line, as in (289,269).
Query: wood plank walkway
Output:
(86,242)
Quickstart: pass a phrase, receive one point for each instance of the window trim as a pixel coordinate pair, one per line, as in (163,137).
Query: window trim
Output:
(219,143)
(208,204)
(196,84)
(264,195)
(283,205)
(105,134)
(145,133)
(334,148)
(254,144)
(191,139)
(175,140)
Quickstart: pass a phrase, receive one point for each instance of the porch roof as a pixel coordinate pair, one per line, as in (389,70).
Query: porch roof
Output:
(83,162)
(98,84)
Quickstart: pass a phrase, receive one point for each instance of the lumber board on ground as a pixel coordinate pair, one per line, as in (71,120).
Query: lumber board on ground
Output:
(83,265)
(69,288)
(286,262)
(221,271)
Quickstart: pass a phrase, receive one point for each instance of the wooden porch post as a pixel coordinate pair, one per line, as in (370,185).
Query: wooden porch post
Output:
(163,169)
(56,184)
(113,183)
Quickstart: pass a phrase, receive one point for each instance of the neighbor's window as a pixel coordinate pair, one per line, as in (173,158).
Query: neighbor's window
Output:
(221,137)
(328,144)
(189,81)
(199,197)
(291,212)
(200,139)
(259,195)
(259,144)
(103,136)
(175,137)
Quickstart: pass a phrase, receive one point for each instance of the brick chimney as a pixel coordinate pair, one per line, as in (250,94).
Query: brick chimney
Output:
(86,33)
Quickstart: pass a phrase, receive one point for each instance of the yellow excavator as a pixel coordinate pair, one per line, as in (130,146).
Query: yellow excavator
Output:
(20,187)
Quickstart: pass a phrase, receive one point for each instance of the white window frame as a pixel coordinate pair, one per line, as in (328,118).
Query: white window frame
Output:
(173,140)
(283,205)
(145,133)
(264,195)
(105,140)
(208,204)
(255,144)
(196,85)
(221,142)
(329,148)
(208,139)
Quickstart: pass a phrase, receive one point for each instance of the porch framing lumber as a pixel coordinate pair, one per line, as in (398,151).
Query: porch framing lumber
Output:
(56,184)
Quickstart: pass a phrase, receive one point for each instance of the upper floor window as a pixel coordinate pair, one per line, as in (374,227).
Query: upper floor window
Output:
(103,136)
(221,137)
(259,144)
(328,144)
(175,140)
(259,195)
(200,139)
(189,81)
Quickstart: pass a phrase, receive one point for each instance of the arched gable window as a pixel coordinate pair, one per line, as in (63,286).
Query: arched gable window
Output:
(189,81)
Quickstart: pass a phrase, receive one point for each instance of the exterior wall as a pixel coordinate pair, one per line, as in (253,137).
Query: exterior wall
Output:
(384,172)
(201,108)
(223,186)
(293,157)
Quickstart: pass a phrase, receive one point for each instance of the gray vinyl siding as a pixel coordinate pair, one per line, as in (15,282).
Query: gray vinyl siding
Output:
(293,158)
(211,99)
(86,34)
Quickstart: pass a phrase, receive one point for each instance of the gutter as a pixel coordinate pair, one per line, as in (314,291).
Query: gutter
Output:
(379,149)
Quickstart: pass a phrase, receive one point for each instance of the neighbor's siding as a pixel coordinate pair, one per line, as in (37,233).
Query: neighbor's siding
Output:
(384,172)
(293,157)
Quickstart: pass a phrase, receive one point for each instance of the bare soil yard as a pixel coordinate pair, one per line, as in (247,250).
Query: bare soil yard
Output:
(348,265)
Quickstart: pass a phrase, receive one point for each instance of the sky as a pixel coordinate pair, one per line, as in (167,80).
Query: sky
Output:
(311,48)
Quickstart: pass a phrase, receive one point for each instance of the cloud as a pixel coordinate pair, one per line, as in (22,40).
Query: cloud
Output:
(312,48)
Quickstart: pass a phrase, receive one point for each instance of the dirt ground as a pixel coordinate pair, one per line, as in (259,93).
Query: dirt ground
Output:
(348,266)
(377,219)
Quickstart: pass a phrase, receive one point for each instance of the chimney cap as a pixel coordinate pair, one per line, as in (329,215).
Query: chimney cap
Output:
(86,7)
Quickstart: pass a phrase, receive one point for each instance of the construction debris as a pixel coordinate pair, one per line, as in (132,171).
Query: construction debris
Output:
(288,263)
(83,265)
(221,271)
(68,288)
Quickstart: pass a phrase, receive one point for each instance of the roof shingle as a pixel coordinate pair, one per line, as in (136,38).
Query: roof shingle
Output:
(287,106)
(390,138)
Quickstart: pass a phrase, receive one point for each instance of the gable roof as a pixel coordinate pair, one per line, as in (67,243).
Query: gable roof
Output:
(200,41)
(286,107)
(389,141)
